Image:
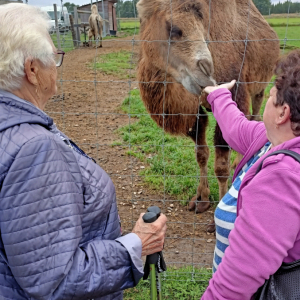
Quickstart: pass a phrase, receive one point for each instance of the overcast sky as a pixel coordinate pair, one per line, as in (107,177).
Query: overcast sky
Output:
(58,2)
(81,2)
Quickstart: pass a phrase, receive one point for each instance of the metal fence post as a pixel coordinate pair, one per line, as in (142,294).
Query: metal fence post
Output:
(56,26)
(104,25)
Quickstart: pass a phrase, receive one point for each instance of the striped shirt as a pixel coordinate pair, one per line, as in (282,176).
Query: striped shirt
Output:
(225,213)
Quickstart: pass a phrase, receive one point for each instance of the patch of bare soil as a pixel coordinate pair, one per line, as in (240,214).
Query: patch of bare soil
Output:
(86,108)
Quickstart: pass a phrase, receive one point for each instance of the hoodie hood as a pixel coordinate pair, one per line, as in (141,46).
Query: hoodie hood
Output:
(15,111)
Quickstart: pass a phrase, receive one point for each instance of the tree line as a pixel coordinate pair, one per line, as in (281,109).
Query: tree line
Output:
(126,9)
(70,7)
(266,7)
(283,8)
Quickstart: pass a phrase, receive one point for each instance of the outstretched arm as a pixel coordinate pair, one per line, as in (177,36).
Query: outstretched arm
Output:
(237,130)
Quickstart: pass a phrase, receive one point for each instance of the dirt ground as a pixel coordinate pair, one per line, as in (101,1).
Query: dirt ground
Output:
(86,108)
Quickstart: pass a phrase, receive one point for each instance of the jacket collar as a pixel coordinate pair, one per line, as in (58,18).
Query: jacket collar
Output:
(15,111)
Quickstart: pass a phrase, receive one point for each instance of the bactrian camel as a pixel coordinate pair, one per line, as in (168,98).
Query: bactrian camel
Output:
(189,44)
(96,26)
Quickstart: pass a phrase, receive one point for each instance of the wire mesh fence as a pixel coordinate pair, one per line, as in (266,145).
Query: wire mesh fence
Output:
(98,105)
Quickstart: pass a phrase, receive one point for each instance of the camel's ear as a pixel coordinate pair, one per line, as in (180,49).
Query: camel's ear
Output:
(147,8)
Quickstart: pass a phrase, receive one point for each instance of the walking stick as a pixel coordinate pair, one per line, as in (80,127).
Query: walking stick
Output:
(155,263)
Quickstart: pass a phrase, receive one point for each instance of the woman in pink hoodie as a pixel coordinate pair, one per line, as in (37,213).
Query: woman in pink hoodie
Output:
(267,228)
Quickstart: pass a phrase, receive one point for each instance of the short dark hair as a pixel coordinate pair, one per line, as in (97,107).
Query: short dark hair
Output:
(287,83)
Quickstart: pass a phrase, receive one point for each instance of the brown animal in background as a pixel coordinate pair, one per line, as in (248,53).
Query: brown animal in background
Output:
(96,26)
(193,45)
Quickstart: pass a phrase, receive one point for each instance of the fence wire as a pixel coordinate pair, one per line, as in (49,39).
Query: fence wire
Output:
(126,161)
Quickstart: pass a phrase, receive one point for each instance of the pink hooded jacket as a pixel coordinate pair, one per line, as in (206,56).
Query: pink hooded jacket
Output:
(267,228)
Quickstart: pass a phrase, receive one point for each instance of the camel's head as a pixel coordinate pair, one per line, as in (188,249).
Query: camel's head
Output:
(94,9)
(187,57)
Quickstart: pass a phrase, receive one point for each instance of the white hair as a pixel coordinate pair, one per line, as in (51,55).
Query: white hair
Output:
(23,34)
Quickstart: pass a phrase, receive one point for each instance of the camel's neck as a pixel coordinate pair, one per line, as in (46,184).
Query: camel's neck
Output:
(163,95)
(155,84)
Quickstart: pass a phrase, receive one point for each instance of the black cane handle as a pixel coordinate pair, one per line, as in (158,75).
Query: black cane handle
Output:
(154,209)
(152,214)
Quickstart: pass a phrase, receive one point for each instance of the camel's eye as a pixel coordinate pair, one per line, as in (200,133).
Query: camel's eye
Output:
(176,32)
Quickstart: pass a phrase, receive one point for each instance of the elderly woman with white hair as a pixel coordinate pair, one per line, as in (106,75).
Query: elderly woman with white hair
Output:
(60,233)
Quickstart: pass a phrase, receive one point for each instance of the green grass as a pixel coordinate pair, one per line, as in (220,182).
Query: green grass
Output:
(177,284)
(173,156)
(115,63)
(130,23)
(65,41)
(129,27)
(283,21)
(124,32)
(291,33)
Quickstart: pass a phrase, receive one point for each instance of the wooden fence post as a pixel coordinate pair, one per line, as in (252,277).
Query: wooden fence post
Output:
(56,27)
(104,25)
(77,26)
(73,31)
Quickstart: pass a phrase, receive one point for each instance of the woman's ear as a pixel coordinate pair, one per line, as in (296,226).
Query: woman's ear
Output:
(31,69)
(284,113)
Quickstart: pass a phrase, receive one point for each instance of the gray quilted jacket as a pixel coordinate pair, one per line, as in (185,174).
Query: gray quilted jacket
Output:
(60,233)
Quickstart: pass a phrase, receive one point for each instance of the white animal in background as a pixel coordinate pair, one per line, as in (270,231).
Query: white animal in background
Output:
(96,26)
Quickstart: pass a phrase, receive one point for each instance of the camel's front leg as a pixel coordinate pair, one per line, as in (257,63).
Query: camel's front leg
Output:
(222,171)
(222,168)
(200,202)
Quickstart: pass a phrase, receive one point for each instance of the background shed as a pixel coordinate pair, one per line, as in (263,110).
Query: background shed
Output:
(109,14)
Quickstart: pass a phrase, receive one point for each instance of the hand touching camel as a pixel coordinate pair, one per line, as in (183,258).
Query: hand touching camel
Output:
(227,85)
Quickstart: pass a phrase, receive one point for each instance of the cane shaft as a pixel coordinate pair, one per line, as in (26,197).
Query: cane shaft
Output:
(153,290)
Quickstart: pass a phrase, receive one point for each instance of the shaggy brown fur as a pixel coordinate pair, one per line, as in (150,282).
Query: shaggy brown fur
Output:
(96,25)
(189,25)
